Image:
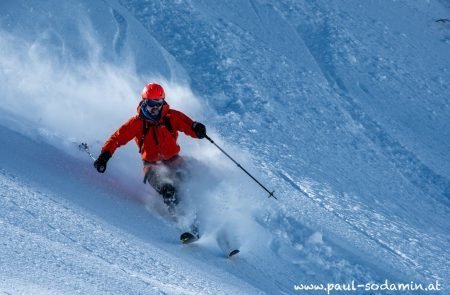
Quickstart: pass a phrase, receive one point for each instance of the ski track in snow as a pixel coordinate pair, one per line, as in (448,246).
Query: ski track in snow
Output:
(120,37)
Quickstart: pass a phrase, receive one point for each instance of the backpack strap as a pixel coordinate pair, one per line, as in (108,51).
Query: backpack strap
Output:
(144,133)
(168,124)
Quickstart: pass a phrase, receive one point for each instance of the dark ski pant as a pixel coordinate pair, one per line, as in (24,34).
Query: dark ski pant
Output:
(165,177)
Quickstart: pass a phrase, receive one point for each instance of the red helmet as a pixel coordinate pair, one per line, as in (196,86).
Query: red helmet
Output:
(153,91)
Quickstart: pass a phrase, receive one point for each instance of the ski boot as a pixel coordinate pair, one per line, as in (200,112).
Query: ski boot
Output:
(168,192)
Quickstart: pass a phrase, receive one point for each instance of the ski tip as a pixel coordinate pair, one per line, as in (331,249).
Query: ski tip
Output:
(234,252)
(187,238)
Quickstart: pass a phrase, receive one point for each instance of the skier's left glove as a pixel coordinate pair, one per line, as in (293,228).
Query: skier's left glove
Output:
(100,163)
(199,129)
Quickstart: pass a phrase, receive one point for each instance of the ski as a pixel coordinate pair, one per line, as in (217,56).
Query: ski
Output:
(234,252)
(187,238)
(226,243)
(222,238)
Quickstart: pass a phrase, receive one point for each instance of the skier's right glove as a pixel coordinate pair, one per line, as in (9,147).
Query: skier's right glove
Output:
(100,163)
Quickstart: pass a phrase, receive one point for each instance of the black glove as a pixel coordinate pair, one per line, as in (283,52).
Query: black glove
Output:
(100,163)
(199,129)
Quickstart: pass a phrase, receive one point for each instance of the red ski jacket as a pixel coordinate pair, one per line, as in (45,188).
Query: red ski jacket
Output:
(160,140)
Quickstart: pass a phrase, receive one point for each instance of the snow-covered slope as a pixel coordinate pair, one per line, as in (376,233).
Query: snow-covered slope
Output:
(341,108)
(65,234)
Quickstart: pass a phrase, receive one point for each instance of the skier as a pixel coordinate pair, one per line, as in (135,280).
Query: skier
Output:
(155,130)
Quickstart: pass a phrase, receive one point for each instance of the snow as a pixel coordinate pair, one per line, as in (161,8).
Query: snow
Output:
(340,107)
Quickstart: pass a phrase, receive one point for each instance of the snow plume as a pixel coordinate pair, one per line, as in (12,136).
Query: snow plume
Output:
(50,95)
(56,95)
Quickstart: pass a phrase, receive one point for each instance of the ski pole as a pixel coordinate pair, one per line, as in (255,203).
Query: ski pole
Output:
(84,147)
(239,165)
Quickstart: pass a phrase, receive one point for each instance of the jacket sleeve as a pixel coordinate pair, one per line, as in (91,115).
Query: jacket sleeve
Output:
(123,135)
(183,123)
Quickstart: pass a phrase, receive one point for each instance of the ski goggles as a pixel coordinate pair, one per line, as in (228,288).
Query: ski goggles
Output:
(152,103)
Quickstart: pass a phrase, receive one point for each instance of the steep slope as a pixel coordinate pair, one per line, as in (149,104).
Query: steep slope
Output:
(66,230)
(341,104)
